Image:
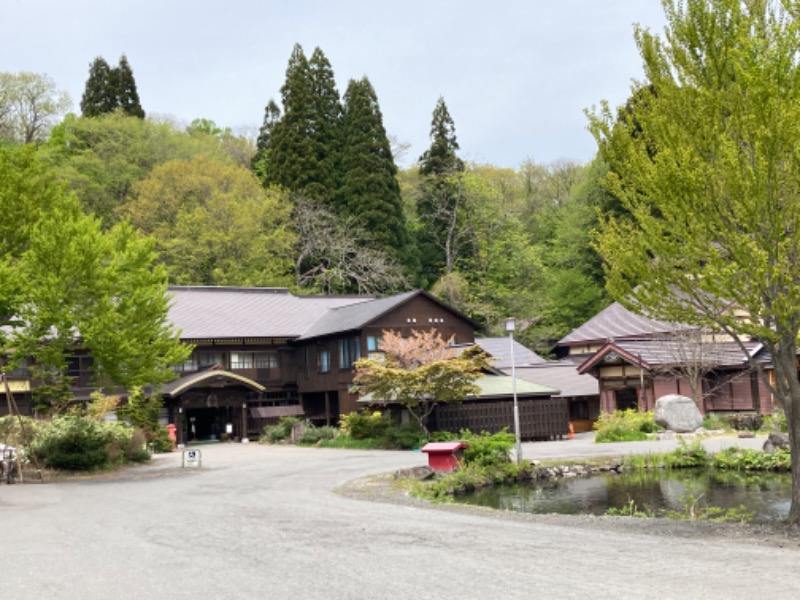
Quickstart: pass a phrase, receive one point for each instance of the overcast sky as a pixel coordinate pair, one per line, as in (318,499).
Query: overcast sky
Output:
(516,74)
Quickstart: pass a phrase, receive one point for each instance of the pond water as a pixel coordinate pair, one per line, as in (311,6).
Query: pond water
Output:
(768,495)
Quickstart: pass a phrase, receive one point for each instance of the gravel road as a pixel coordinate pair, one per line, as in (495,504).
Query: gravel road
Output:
(266,522)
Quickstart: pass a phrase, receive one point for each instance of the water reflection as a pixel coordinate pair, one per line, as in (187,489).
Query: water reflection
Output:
(766,495)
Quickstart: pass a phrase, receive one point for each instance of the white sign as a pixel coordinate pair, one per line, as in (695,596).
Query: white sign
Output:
(192,458)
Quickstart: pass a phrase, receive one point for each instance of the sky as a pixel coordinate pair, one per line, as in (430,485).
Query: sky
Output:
(516,75)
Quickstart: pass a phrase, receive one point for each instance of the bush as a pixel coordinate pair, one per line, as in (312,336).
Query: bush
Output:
(746,422)
(745,459)
(687,455)
(72,443)
(624,426)
(364,424)
(776,421)
(280,432)
(487,449)
(313,435)
(713,421)
(403,437)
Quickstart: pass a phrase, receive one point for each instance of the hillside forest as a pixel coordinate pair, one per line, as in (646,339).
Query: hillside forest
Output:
(315,202)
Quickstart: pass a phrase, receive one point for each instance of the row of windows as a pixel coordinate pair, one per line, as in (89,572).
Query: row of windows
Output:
(199,361)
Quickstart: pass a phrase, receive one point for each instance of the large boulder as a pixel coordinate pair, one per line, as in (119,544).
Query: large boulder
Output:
(677,413)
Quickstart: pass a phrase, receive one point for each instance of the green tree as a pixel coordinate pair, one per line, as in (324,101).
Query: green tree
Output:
(305,142)
(370,191)
(713,236)
(420,372)
(110,88)
(101,158)
(127,95)
(99,94)
(272,114)
(29,106)
(214,224)
(440,209)
(79,287)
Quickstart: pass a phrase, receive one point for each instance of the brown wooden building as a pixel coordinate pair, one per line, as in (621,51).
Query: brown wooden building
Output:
(637,360)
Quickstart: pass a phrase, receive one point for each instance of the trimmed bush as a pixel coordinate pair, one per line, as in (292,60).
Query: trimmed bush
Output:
(624,426)
(312,435)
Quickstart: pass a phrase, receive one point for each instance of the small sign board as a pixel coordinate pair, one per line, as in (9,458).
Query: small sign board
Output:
(192,458)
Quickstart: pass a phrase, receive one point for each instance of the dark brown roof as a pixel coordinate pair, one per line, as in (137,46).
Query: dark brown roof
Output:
(616,322)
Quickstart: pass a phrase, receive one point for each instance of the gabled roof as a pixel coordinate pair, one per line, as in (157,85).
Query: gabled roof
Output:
(234,312)
(357,316)
(348,318)
(665,354)
(499,348)
(616,322)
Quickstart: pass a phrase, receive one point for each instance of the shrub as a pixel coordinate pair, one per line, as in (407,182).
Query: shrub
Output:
(624,426)
(364,424)
(279,432)
(72,443)
(745,459)
(313,435)
(406,436)
(746,422)
(713,421)
(488,449)
(687,456)
(776,421)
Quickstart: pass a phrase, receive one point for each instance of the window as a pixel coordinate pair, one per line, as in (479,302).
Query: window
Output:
(324,358)
(206,360)
(349,352)
(374,343)
(254,360)
(79,368)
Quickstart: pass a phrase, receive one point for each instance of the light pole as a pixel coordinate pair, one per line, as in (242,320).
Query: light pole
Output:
(510,326)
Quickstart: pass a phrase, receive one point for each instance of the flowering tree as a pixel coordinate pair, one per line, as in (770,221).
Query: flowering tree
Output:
(420,372)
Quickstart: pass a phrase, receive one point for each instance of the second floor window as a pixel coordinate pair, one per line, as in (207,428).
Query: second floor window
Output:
(324,358)
(349,352)
(254,360)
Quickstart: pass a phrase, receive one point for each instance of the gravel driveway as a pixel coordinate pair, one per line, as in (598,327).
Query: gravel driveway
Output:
(265,522)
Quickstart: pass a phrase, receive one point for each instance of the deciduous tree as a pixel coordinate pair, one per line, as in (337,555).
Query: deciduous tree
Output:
(30,104)
(420,372)
(713,236)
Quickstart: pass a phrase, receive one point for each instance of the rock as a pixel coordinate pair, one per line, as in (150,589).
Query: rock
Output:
(677,413)
(747,434)
(419,473)
(776,440)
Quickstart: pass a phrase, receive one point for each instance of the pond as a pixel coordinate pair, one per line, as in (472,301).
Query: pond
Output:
(767,495)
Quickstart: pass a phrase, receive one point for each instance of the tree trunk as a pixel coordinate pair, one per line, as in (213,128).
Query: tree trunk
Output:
(787,393)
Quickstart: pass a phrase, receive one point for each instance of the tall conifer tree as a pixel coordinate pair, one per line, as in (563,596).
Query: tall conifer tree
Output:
(127,95)
(108,89)
(99,95)
(438,201)
(370,191)
(304,144)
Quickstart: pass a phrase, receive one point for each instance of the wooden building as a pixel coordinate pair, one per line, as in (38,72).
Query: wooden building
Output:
(637,360)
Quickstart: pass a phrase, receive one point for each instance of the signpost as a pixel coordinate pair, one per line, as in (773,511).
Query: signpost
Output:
(192,458)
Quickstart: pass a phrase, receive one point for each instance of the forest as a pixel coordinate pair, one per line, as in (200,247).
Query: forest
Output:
(316,202)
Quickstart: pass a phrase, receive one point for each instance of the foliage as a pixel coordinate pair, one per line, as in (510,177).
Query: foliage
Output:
(14,434)
(776,421)
(692,510)
(485,449)
(67,279)
(370,192)
(313,435)
(213,224)
(746,421)
(101,158)
(30,105)
(303,144)
(713,421)
(705,163)
(745,459)
(364,424)
(101,405)
(380,430)
(687,455)
(624,426)
(420,371)
(109,89)
(73,443)
(279,432)
(143,411)
(470,477)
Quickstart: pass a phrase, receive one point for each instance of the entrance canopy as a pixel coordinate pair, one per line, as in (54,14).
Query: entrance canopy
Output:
(213,378)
